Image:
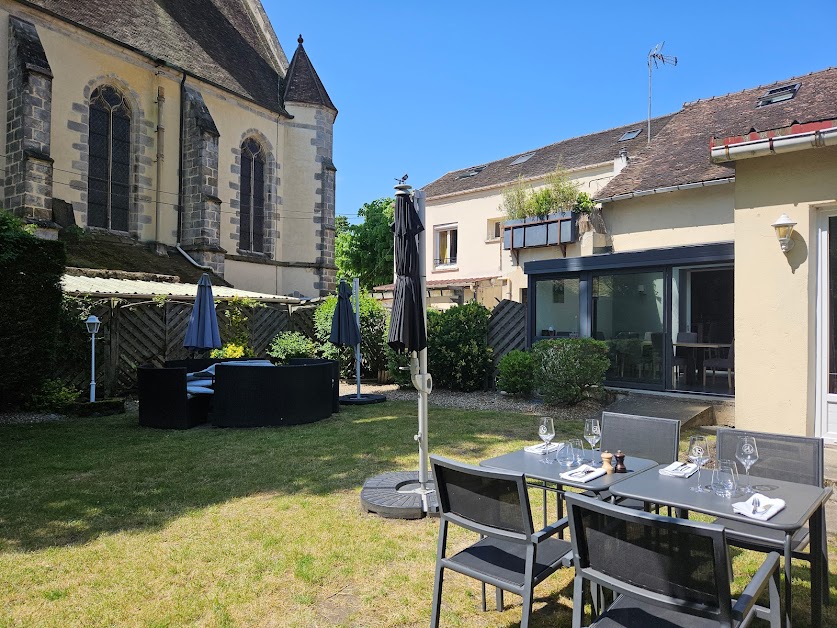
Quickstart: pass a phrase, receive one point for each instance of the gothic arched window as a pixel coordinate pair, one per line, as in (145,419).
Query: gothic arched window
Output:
(108,188)
(252,196)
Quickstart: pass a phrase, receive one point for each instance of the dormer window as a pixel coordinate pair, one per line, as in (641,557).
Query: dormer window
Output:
(778,94)
(522,159)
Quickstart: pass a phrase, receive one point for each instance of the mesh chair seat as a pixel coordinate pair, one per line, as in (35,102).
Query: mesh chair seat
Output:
(759,538)
(632,613)
(507,561)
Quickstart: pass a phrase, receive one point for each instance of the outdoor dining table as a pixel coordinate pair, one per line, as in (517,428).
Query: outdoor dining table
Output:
(548,475)
(804,504)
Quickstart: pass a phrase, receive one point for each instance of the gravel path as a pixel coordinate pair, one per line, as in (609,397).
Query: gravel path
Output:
(480,400)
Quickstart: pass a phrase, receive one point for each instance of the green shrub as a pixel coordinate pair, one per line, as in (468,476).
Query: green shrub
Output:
(373,327)
(515,373)
(394,363)
(292,344)
(30,276)
(458,354)
(235,327)
(229,351)
(53,396)
(567,368)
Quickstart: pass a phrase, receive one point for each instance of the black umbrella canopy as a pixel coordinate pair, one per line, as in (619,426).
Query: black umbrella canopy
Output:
(344,330)
(406,330)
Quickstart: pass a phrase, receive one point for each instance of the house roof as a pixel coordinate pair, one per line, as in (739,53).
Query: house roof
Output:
(226,42)
(679,154)
(577,152)
(302,84)
(443,283)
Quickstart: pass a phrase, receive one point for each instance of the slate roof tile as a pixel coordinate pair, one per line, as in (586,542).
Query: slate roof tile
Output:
(302,84)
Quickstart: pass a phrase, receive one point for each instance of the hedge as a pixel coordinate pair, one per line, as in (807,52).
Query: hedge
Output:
(30,308)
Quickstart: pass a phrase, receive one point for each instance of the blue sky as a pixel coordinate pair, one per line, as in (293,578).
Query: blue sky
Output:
(429,87)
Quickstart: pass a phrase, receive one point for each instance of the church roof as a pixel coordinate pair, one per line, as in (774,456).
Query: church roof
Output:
(229,43)
(302,83)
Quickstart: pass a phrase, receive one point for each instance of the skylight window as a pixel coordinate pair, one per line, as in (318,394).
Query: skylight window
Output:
(778,94)
(522,159)
(471,172)
(629,135)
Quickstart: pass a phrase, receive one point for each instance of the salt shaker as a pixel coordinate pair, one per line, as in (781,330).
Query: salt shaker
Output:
(620,462)
(607,459)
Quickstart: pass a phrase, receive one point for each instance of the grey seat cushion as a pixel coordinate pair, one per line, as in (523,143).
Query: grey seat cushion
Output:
(630,613)
(507,561)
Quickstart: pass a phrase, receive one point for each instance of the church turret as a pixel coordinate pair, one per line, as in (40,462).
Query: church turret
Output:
(314,113)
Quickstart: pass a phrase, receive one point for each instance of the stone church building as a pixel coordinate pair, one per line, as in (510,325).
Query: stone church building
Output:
(178,124)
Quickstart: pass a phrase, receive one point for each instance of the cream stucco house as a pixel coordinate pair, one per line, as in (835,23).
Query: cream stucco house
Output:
(465,221)
(179,125)
(695,292)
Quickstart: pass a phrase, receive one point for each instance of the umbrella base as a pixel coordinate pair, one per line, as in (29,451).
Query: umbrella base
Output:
(362,400)
(393,496)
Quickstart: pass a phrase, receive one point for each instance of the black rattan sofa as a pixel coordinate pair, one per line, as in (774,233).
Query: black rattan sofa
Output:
(163,401)
(253,396)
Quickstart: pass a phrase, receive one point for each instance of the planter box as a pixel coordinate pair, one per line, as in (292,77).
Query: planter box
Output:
(557,228)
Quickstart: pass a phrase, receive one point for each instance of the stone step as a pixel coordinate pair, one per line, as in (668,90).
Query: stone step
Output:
(691,414)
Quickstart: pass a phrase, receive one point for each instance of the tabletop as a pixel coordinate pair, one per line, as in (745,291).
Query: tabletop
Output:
(801,500)
(532,468)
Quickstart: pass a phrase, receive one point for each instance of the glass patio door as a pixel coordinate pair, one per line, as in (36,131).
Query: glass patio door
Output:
(628,313)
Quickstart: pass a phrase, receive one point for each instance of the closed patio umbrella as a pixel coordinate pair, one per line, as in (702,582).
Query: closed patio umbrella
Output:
(408,328)
(202,331)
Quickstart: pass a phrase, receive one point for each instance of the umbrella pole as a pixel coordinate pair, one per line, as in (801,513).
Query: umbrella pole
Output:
(424,376)
(356,287)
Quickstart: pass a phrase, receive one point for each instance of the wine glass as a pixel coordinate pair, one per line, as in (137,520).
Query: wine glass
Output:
(546,430)
(725,478)
(699,454)
(747,454)
(592,432)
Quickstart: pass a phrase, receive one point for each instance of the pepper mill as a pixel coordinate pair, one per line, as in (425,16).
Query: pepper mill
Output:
(607,465)
(620,462)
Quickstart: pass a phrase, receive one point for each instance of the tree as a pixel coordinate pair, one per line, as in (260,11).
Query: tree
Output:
(365,250)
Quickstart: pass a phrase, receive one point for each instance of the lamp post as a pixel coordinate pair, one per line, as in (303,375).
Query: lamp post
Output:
(92,324)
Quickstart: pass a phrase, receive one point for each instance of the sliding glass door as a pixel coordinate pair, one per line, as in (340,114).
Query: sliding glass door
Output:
(628,313)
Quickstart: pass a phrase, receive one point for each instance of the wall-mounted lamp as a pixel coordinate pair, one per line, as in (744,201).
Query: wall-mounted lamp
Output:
(784,231)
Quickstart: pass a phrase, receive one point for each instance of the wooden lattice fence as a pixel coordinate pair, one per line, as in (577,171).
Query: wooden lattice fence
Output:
(135,333)
(302,320)
(506,329)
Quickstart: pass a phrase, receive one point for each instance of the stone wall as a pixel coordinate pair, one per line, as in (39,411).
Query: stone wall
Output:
(201,221)
(28,177)
(324,210)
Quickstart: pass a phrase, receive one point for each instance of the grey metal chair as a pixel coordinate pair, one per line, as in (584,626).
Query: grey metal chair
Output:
(781,457)
(648,437)
(510,555)
(664,572)
(718,363)
(652,438)
(679,361)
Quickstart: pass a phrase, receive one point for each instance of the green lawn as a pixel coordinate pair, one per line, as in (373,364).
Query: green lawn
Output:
(105,523)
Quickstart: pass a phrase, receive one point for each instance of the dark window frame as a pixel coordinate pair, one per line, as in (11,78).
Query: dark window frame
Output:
(253,192)
(109,160)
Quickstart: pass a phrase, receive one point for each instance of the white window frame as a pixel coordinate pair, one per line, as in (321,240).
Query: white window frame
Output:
(491,228)
(823,397)
(437,231)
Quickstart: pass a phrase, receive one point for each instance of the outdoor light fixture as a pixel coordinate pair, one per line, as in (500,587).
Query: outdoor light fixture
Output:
(784,231)
(92,324)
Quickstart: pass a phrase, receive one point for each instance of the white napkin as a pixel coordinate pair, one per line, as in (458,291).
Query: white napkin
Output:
(583,474)
(679,469)
(540,449)
(767,507)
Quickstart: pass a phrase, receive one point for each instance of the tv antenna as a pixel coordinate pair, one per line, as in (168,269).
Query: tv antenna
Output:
(655,58)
